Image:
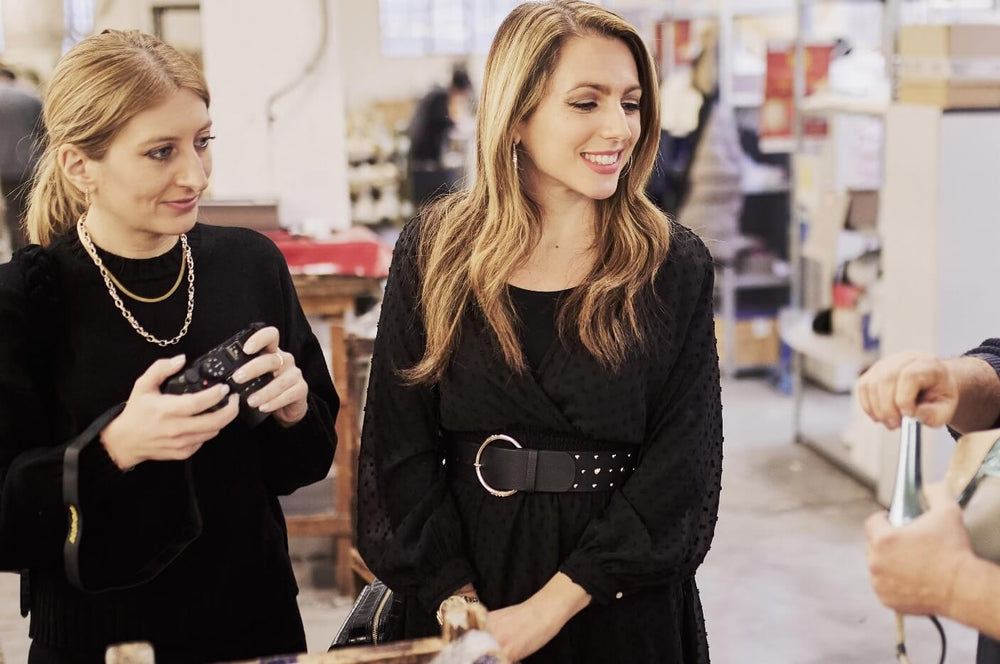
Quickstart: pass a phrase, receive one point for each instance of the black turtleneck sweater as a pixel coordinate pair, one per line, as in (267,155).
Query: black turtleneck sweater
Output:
(209,530)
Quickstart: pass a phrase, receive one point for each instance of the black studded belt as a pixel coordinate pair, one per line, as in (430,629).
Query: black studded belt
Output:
(503,466)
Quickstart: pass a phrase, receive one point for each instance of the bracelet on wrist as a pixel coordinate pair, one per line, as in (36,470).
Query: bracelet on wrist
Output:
(459,601)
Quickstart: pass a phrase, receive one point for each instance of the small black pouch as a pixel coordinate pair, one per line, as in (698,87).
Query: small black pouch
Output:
(376,618)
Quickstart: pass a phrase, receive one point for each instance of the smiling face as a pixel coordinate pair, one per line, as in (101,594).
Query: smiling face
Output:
(154,172)
(583,131)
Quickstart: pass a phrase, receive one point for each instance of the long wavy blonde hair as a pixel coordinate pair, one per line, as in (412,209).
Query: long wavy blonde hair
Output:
(474,240)
(97,87)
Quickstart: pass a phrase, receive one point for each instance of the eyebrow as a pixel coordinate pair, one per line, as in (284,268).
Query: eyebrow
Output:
(170,139)
(603,89)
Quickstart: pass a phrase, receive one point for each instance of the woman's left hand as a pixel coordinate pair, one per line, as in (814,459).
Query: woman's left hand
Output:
(285,396)
(523,629)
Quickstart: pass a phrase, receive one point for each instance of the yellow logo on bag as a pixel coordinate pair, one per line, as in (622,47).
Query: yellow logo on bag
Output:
(74,524)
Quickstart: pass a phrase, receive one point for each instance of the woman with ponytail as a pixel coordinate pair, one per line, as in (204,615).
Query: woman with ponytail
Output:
(543,428)
(137,515)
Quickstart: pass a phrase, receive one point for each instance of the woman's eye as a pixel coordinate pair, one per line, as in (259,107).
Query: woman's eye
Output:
(584,105)
(203,142)
(161,154)
(631,106)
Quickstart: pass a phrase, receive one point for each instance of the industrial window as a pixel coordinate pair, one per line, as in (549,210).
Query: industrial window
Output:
(412,28)
(79,21)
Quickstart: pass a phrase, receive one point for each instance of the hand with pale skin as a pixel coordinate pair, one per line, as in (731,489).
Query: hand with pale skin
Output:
(165,427)
(286,395)
(523,629)
(911,384)
(962,392)
(914,568)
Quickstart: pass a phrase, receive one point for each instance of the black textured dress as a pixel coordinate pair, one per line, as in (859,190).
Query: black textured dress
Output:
(635,549)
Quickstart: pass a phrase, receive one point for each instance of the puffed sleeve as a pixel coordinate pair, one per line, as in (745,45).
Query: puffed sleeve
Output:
(409,531)
(33,517)
(301,454)
(658,527)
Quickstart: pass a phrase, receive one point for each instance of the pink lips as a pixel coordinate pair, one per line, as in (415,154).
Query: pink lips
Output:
(184,205)
(604,169)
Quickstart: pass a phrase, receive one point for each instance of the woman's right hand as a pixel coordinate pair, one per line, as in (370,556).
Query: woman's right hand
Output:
(165,427)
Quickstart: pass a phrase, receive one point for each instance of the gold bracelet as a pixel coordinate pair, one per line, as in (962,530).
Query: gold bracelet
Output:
(459,601)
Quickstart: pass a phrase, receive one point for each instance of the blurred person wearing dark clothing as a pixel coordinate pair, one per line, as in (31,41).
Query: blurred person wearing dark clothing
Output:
(429,130)
(20,122)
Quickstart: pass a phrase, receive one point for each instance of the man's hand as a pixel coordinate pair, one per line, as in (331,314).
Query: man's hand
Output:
(962,392)
(911,384)
(914,568)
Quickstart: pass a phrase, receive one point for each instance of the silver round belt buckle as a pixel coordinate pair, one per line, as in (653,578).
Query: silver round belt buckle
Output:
(479,466)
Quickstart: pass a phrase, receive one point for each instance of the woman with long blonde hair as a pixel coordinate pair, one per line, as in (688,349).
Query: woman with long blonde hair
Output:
(140,515)
(543,427)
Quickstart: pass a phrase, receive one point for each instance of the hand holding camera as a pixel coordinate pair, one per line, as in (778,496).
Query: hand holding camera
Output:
(173,410)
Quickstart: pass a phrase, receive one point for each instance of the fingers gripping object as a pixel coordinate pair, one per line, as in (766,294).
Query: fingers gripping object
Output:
(907,504)
(218,366)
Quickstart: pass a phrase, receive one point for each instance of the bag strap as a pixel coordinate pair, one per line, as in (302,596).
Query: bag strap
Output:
(71,492)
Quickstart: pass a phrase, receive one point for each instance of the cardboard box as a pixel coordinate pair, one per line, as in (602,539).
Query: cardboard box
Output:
(973,40)
(949,94)
(863,211)
(855,327)
(950,66)
(757,342)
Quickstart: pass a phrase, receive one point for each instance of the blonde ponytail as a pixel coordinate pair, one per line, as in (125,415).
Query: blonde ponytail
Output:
(55,204)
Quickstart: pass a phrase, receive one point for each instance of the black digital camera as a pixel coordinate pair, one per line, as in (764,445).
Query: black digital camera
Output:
(217,366)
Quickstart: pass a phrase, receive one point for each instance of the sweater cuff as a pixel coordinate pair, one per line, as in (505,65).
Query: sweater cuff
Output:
(450,576)
(600,585)
(994,361)
(100,476)
(990,358)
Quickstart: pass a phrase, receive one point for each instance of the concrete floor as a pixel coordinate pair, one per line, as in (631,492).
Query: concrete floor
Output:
(784,583)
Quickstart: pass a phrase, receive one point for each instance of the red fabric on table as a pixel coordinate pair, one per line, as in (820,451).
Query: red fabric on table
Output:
(352,252)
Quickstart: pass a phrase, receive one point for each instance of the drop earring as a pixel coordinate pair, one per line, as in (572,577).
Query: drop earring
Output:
(514,152)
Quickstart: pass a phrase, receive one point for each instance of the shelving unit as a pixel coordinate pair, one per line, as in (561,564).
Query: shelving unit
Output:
(796,323)
(730,282)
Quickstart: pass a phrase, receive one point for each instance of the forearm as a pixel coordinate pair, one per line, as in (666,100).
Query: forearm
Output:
(975,599)
(561,597)
(978,394)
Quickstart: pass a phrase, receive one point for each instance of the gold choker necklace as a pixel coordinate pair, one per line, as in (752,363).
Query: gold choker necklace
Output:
(111,282)
(149,300)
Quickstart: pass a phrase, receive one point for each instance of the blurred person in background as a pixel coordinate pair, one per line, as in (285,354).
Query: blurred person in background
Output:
(927,567)
(700,167)
(20,129)
(552,305)
(430,131)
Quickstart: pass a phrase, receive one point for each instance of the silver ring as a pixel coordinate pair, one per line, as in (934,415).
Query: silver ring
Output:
(479,466)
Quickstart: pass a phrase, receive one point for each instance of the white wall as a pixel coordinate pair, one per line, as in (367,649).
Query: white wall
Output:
(252,51)
(369,77)
(33,32)
(124,15)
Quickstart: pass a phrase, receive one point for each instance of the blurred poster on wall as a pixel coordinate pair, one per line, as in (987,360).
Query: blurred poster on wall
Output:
(682,43)
(777,114)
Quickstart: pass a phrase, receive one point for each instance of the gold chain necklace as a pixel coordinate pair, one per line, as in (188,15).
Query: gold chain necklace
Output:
(110,282)
(149,300)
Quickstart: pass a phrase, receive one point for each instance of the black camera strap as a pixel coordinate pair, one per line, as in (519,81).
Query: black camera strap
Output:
(71,492)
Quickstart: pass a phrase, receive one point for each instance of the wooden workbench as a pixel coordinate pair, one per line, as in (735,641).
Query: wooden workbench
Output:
(333,297)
